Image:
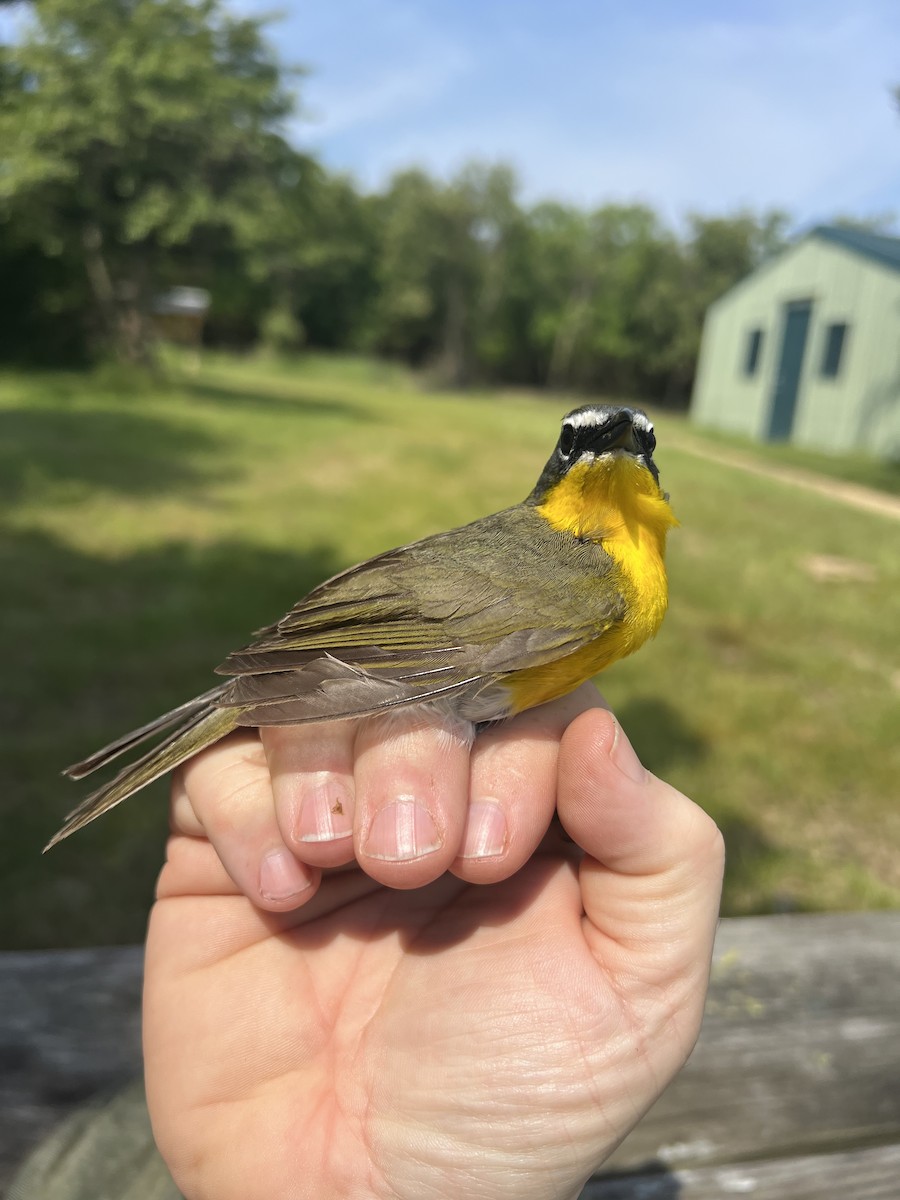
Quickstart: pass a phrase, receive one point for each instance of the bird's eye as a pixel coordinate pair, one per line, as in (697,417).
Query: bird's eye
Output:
(566,440)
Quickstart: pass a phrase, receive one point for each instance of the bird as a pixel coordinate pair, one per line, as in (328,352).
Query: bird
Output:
(479,623)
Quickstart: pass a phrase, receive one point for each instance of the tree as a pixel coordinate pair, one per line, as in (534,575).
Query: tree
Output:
(334,262)
(441,266)
(718,253)
(129,128)
(594,271)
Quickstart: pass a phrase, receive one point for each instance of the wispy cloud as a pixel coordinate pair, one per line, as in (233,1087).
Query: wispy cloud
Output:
(373,64)
(384,95)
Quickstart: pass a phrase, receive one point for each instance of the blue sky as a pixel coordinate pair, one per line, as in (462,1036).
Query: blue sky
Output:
(686,104)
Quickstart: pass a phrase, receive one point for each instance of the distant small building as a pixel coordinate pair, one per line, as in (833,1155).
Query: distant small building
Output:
(807,348)
(179,313)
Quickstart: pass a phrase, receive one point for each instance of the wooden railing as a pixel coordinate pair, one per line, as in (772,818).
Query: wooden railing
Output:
(793,1092)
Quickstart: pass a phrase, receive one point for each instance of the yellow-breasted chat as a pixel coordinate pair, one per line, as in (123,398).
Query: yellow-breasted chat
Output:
(482,621)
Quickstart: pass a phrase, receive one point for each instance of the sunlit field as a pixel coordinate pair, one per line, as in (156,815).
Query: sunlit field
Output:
(148,527)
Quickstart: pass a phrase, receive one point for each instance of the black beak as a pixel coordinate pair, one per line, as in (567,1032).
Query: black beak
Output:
(616,434)
(620,433)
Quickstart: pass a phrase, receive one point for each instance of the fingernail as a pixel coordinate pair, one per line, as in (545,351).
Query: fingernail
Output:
(281,876)
(623,755)
(326,813)
(402,831)
(485,835)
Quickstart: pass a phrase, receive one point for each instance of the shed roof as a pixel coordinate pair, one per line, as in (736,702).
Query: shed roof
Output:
(876,246)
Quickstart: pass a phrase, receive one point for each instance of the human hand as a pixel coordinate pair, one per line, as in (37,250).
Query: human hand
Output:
(459,1040)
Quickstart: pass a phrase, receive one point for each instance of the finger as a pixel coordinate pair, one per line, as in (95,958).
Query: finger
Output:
(224,794)
(512,788)
(651,880)
(192,868)
(311,767)
(412,785)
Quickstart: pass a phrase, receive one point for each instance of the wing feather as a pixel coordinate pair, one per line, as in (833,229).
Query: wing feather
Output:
(432,620)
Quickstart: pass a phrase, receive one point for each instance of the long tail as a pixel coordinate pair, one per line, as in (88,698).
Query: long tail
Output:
(200,723)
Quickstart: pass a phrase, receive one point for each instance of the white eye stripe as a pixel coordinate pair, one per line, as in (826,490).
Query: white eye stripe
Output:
(642,422)
(586,417)
(596,418)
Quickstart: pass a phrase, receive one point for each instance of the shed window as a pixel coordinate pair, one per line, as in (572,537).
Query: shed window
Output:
(835,337)
(754,349)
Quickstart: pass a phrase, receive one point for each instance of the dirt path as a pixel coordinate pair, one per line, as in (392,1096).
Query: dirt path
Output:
(836,489)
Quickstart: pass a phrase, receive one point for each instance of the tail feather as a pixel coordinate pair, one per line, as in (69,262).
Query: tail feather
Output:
(204,727)
(108,753)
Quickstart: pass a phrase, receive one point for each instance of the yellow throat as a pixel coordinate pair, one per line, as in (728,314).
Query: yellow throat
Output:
(614,502)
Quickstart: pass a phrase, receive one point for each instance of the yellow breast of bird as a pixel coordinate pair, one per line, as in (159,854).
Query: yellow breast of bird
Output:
(616,503)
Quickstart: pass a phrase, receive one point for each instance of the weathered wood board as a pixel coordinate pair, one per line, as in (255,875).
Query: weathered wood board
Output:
(800,1047)
(70,1027)
(872,1174)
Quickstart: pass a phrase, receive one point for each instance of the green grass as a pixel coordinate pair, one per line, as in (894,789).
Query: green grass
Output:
(881,474)
(147,528)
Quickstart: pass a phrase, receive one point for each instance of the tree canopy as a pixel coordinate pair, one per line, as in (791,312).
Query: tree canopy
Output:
(144,144)
(134,127)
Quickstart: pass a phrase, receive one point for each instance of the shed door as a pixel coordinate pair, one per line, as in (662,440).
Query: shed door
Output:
(790,367)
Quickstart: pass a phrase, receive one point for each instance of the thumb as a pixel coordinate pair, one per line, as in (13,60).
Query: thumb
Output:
(651,878)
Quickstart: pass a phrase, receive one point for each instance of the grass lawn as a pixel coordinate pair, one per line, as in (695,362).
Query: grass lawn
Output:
(881,474)
(148,528)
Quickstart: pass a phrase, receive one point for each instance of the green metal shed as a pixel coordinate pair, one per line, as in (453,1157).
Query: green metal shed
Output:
(807,348)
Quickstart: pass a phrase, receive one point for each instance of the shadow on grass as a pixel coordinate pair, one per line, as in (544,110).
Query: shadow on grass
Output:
(91,648)
(51,444)
(124,451)
(660,734)
(752,863)
(282,400)
(663,740)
